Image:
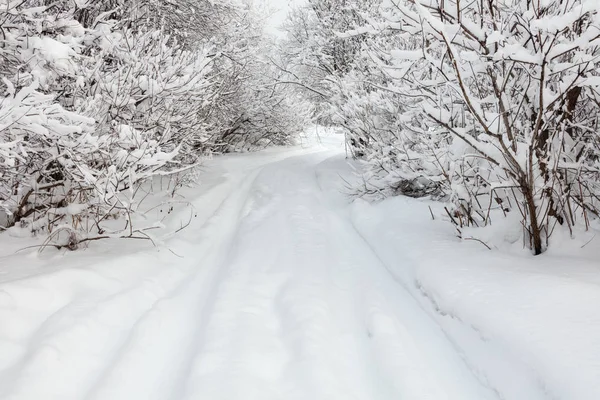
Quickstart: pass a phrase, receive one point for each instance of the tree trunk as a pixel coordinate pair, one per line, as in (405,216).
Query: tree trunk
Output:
(535,230)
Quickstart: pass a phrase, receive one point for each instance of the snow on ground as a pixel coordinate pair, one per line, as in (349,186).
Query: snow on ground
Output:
(528,326)
(280,289)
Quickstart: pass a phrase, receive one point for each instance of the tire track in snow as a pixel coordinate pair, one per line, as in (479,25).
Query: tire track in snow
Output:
(476,336)
(161,348)
(58,369)
(305,311)
(393,335)
(284,301)
(102,322)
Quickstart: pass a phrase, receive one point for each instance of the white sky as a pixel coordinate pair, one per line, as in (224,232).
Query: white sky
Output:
(281,7)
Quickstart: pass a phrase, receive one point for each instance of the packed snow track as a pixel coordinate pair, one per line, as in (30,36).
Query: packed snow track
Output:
(273,295)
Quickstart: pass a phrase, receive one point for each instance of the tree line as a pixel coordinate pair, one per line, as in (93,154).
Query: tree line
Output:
(491,105)
(100,97)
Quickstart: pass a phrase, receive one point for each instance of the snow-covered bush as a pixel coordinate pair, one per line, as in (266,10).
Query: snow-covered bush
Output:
(492,104)
(314,54)
(75,156)
(37,133)
(400,156)
(156,90)
(99,97)
(262,108)
(38,170)
(514,84)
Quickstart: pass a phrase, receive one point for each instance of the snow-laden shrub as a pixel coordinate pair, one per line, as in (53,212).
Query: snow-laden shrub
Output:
(89,115)
(37,134)
(400,154)
(157,90)
(40,147)
(314,55)
(100,97)
(493,104)
(261,109)
(269,113)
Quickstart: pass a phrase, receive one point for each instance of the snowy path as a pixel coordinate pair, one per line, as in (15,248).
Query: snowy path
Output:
(276,296)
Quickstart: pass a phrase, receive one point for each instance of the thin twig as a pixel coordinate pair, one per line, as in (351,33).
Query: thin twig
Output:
(478,240)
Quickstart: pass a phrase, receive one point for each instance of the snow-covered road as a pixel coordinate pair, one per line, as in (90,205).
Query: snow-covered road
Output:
(272,295)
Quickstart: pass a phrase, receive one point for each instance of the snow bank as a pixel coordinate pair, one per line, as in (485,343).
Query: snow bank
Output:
(528,325)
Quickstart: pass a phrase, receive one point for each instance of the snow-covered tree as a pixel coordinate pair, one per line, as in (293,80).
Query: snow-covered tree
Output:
(514,84)
(491,103)
(99,97)
(315,55)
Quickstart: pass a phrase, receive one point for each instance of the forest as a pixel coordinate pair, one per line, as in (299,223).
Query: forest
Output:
(100,97)
(491,105)
(299,199)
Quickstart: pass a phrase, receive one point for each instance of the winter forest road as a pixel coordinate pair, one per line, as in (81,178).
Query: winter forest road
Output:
(274,296)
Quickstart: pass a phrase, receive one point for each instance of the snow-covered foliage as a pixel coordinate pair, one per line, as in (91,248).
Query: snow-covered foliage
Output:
(99,97)
(492,105)
(259,109)
(315,55)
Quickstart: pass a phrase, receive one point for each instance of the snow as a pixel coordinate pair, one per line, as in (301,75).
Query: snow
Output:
(280,288)
(528,325)
(53,51)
